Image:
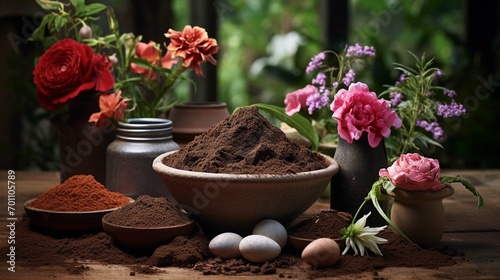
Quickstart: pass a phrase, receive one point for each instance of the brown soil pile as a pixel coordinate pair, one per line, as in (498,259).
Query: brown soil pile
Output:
(148,212)
(328,223)
(245,143)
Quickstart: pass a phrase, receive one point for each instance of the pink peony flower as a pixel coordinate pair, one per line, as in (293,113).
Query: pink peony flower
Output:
(296,100)
(358,110)
(413,172)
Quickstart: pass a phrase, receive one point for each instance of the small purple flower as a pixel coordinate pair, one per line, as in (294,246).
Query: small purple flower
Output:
(454,109)
(396,98)
(433,127)
(318,100)
(358,50)
(320,79)
(437,75)
(450,93)
(349,77)
(403,77)
(315,62)
(335,84)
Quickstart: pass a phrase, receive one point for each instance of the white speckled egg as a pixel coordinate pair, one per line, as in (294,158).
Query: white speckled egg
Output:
(226,245)
(259,248)
(321,252)
(272,229)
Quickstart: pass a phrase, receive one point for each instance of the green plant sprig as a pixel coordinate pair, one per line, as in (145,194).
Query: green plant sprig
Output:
(418,104)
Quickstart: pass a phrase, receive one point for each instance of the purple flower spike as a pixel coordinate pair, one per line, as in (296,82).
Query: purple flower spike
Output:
(317,101)
(358,50)
(315,62)
(349,77)
(320,79)
(433,127)
(396,98)
(453,109)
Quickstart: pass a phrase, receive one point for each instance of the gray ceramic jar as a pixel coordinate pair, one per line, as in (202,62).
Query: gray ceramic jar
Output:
(130,157)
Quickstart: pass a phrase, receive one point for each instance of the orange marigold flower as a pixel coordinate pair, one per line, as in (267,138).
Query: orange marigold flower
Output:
(193,45)
(111,108)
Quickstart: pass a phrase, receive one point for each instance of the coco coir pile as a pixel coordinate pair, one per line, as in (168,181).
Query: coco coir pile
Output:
(245,143)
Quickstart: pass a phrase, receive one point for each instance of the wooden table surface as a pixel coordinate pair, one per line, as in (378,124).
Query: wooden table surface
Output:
(476,233)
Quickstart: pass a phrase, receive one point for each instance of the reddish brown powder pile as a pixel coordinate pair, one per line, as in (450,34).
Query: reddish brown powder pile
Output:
(79,193)
(148,212)
(245,143)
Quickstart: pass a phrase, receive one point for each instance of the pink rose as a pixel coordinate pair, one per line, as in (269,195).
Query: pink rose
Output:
(296,100)
(358,110)
(413,172)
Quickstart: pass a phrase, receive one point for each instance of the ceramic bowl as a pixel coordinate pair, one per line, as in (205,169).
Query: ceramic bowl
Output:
(65,220)
(144,238)
(237,202)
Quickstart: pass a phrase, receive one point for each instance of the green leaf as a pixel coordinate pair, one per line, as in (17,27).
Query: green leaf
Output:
(59,22)
(39,33)
(92,9)
(141,62)
(49,5)
(467,184)
(375,195)
(300,123)
(79,5)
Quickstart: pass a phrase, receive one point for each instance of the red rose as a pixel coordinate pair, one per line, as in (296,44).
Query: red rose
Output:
(68,68)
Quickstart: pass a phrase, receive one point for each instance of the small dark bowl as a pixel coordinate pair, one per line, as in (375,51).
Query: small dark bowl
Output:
(145,238)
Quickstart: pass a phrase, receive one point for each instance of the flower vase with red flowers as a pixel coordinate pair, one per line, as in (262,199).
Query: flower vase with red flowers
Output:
(70,73)
(124,77)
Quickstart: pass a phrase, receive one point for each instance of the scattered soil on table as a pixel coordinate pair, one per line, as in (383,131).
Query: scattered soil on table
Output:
(245,143)
(36,247)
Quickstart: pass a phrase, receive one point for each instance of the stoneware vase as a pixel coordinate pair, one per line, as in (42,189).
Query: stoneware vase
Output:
(82,145)
(194,118)
(359,166)
(130,157)
(420,215)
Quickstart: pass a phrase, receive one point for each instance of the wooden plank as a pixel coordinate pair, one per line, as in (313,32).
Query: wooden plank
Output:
(480,249)
(461,212)
(474,233)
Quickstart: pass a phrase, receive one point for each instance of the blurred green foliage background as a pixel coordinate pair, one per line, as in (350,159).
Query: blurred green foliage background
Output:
(265,47)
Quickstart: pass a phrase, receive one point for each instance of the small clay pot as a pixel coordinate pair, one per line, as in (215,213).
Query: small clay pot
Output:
(194,118)
(420,215)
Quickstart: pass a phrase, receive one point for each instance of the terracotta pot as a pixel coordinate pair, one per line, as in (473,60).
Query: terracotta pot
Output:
(221,202)
(82,145)
(359,166)
(194,118)
(420,215)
